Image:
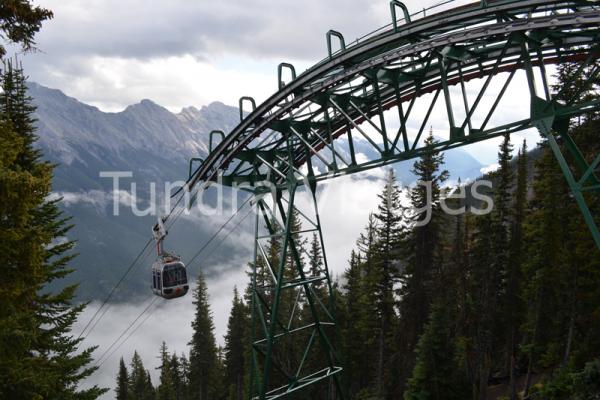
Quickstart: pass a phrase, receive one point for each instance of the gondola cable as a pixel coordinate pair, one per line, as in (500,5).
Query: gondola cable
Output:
(125,331)
(149,314)
(112,291)
(218,231)
(100,360)
(104,306)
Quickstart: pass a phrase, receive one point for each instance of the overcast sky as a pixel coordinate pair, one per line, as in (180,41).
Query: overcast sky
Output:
(112,53)
(178,53)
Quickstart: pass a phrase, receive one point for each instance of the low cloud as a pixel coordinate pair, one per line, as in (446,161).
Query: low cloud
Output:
(101,200)
(96,198)
(169,321)
(490,168)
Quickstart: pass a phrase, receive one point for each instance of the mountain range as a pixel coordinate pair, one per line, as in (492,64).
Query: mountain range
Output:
(155,144)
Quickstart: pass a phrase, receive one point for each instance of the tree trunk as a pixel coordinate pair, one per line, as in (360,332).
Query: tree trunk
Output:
(528,378)
(379,380)
(484,375)
(513,379)
(512,388)
(571,319)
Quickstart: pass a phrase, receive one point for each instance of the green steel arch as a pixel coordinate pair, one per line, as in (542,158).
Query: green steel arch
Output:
(306,133)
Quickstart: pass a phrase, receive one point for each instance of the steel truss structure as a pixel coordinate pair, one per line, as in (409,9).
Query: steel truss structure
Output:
(381,91)
(280,291)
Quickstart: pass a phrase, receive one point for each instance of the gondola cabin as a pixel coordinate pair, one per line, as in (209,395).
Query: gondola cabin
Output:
(169,277)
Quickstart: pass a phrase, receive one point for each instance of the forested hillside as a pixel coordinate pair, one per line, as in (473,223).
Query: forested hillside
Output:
(501,305)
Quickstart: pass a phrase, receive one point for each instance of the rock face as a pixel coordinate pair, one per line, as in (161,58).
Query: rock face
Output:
(155,145)
(144,137)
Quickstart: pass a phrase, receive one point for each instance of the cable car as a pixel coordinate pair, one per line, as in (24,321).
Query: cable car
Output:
(169,277)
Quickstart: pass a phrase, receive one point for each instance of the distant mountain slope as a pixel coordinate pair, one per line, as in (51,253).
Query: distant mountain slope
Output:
(155,145)
(146,139)
(458,162)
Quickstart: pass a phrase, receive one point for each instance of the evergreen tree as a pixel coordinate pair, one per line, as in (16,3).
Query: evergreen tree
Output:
(352,334)
(456,273)
(502,216)
(122,388)
(366,320)
(178,379)
(561,270)
(315,263)
(140,383)
(320,294)
(457,276)
(490,265)
(150,391)
(166,386)
(569,84)
(389,234)
(513,305)
(40,358)
(317,358)
(203,353)
(543,235)
(436,375)
(235,348)
(481,290)
(184,376)
(424,261)
(19,22)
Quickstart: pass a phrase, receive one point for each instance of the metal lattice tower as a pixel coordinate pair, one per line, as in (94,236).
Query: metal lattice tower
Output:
(416,66)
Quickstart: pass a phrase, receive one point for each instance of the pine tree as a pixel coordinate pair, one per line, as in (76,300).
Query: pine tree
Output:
(423,250)
(122,388)
(513,304)
(569,84)
(184,374)
(456,272)
(490,264)
(140,383)
(235,348)
(40,358)
(317,358)
(436,375)
(502,216)
(366,320)
(320,294)
(457,276)
(166,386)
(178,380)
(389,235)
(315,263)
(481,292)
(544,266)
(352,334)
(19,23)
(561,270)
(203,353)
